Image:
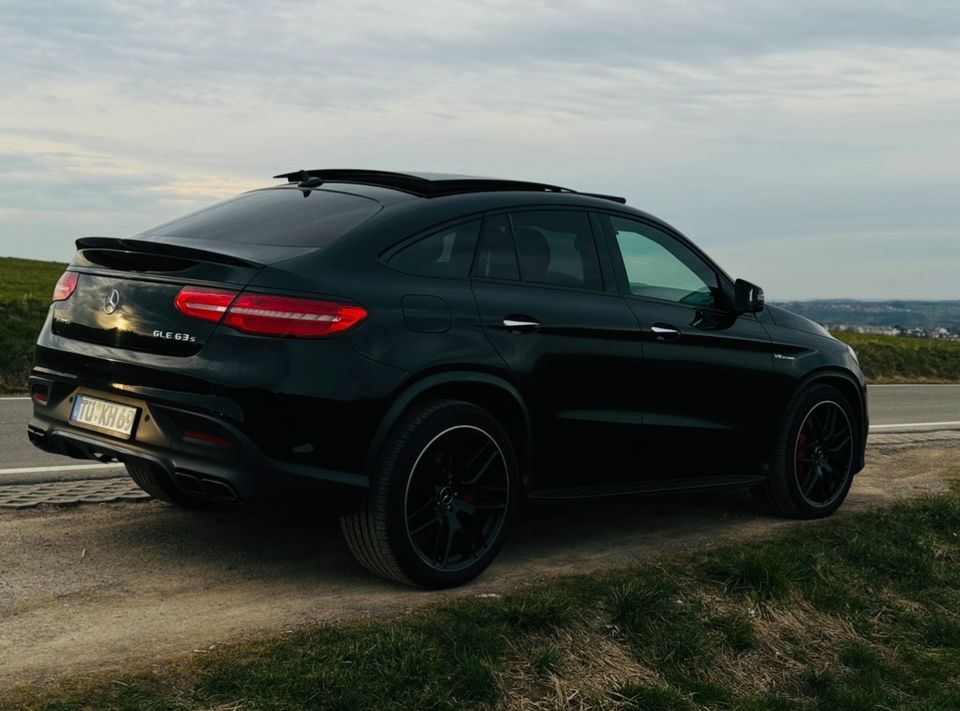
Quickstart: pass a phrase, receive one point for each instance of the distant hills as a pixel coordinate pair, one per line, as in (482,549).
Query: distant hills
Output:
(883,314)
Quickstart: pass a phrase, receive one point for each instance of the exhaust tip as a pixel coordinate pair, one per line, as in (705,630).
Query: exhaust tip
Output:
(205,487)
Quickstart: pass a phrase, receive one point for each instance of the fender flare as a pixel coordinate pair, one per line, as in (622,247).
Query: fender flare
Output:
(412,391)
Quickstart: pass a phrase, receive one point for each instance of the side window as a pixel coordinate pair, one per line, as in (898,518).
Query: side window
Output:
(446,253)
(557,247)
(496,258)
(661,267)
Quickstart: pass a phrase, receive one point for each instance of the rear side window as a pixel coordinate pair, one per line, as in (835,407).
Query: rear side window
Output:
(445,253)
(277,216)
(557,248)
(496,258)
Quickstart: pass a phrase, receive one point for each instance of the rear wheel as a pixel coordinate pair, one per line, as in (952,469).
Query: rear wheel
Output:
(155,482)
(441,497)
(812,467)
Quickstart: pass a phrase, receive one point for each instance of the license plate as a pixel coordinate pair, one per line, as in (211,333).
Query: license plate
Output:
(109,417)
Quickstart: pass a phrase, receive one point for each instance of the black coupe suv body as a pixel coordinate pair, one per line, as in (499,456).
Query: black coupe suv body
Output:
(442,347)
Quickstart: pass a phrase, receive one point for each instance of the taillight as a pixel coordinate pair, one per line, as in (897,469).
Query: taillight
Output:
(66,285)
(269,315)
(204,304)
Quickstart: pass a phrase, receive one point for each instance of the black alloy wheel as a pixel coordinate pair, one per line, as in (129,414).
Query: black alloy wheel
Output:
(823,455)
(457,497)
(441,498)
(812,462)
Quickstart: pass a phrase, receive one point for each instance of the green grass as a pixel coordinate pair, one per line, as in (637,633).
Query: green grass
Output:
(893,359)
(25,289)
(857,612)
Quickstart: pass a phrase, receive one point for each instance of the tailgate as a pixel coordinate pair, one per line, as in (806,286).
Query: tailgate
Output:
(126,291)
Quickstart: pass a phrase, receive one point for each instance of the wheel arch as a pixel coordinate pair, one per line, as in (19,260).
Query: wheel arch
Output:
(486,390)
(847,383)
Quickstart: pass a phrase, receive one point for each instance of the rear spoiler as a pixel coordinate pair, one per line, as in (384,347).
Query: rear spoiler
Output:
(163,249)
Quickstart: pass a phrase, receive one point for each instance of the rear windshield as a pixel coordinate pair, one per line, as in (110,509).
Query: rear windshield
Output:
(280,216)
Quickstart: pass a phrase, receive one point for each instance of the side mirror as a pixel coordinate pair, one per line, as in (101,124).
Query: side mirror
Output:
(747,297)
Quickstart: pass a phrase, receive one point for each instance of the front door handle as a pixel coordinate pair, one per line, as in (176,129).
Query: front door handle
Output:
(665,332)
(520,324)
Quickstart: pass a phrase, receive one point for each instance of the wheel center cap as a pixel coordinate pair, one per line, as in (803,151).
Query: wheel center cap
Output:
(445,497)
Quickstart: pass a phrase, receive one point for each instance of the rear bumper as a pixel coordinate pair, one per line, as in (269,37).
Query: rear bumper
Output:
(204,455)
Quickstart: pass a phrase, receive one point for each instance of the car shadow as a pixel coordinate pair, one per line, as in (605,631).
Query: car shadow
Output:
(302,544)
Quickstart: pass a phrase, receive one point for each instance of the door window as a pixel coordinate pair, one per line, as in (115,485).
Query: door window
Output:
(659,266)
(557,247)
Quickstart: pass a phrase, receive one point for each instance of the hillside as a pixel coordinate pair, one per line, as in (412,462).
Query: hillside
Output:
(894,359)
(25,289)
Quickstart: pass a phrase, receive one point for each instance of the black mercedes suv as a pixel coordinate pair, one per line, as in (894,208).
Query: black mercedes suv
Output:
(435,349)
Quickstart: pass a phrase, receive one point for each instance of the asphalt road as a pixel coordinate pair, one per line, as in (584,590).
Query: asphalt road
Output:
(893,408)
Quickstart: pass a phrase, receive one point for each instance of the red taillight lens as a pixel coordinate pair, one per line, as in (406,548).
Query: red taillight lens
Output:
(66,285)
(204,304)
(269,315)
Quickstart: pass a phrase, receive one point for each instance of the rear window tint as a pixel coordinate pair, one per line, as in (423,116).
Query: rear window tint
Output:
(276,216)
(446,253)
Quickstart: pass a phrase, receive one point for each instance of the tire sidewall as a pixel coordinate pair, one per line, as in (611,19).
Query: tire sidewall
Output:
(395,469)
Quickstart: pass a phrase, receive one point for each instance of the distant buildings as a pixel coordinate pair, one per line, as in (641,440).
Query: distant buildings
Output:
(933,320)
(939,333)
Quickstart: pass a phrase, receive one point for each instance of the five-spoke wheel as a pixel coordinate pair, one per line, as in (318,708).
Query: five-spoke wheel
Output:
(457,497)
(442,495)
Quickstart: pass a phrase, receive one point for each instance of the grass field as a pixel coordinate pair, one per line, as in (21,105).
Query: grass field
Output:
(26,285)
(25,289)
(891,359)
(852,613)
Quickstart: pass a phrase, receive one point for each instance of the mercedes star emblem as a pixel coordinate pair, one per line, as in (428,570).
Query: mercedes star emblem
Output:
(111,303)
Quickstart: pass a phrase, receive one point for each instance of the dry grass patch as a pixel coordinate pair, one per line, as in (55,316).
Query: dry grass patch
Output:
(591,664)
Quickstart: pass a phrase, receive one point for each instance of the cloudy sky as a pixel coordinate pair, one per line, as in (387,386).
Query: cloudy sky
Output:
(812,147)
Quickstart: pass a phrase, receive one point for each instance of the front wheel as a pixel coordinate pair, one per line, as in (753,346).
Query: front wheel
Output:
(813,456)
(441,497)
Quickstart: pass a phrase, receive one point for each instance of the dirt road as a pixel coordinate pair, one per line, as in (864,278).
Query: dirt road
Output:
(100,587)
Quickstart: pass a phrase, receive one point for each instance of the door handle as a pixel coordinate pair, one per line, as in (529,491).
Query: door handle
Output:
(521,324)
(665,332)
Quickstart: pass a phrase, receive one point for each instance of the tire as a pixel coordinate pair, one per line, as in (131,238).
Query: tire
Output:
(811,467)
(156,483)
(430,519)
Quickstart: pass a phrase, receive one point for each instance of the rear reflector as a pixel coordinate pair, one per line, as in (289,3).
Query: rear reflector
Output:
(267,314)
(204,304)
(206,438)
(66,285)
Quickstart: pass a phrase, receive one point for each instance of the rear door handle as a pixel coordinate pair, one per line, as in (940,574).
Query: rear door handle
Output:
(665,332)
(520,324)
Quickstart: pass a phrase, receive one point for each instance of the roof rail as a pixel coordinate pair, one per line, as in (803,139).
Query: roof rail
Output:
(424,185)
